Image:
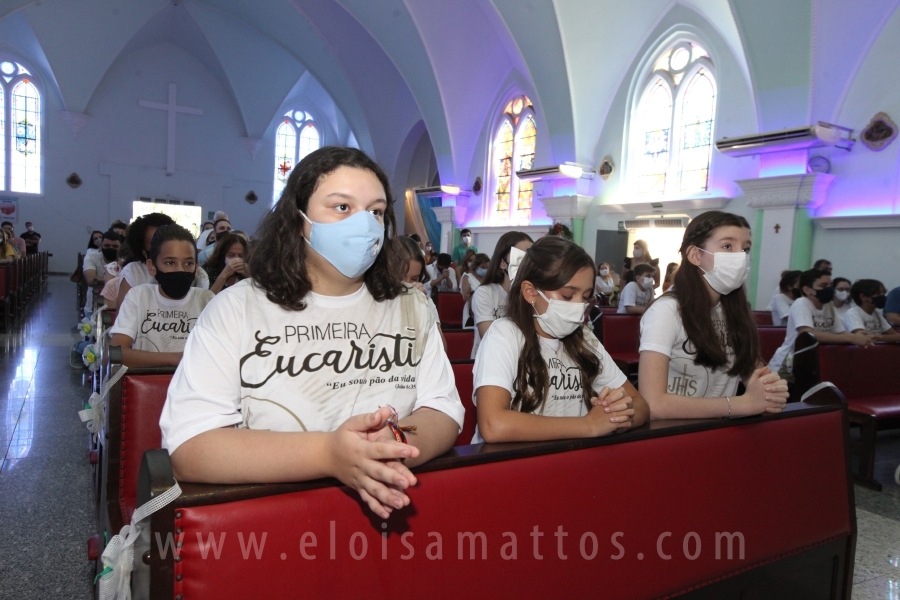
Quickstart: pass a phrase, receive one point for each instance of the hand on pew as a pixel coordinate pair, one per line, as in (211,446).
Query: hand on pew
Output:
(363,457)
(766,392)
(618,405)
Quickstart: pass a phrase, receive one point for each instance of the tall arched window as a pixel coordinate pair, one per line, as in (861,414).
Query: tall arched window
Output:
(513,150)
(20,127)
(295,137)
(672,125)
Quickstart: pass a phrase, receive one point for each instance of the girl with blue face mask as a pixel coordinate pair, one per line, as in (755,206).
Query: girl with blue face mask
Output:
(471,280)
(323,364)
(540,374)
(699,339)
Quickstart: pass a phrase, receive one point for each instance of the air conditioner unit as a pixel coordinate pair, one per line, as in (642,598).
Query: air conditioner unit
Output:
(799,138)
(655,222)
(563,171)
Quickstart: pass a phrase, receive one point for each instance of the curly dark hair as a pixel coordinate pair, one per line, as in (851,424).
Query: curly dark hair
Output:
(549,265)
(278,262)
(134,235)
(169,233)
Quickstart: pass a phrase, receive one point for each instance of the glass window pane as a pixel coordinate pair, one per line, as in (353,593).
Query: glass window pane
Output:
(285,147)
(25,154)
(525,148)
(655,118)
(698,110)
(309,140)
(503,149)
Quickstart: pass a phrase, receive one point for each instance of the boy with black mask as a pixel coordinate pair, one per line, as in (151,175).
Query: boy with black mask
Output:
(154,320)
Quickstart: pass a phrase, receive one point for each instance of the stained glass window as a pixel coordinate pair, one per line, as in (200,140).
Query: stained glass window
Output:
(513,150)
(295,137)
(20,130)
(671,145)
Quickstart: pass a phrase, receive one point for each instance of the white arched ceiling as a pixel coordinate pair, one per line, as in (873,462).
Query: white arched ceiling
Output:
(17,36)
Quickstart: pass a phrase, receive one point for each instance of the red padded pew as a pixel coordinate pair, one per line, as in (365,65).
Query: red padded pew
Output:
(763,318)
(539,520)
(868,377)
(450,309)
(621,336)
(462,373)
(770,340)
(459,343)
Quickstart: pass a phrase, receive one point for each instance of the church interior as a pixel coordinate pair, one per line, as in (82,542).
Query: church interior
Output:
(616,122)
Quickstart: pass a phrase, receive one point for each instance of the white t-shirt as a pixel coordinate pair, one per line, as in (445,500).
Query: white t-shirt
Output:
(805,314)
(488,304)
(474,284)
(633,295)
(844,309)
(606,286)
(136,273)
(662,331)
(93,259)
(156,323)
(774,295)
(497,364)
(444,286)
(857,318)
(250,363)
(781,306)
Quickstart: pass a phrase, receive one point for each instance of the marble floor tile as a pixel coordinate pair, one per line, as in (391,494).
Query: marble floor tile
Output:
(877,588)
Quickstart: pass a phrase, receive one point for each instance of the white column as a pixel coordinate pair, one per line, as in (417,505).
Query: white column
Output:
(570,211)
(780,198)
(446,216)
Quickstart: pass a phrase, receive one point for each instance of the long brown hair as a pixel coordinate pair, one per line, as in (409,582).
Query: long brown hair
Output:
(495,273)
(217,258)
(278,261)
(549,265)
(695,305)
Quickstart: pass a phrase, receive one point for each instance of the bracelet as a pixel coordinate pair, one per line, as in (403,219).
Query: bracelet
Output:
(728,400)
(398,430)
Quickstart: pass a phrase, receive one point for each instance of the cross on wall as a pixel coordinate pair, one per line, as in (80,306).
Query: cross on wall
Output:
(173,109)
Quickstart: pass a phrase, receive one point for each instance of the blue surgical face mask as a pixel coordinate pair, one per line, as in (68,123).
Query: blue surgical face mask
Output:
(481,271)
(351,245)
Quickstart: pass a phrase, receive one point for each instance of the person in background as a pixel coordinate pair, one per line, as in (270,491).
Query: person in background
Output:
(470,282)
(8,253)
(669,279)
(229,263)
(119,227)
(32,238)
(823,264)
(442,275)
(203,236)
(489,301)
(637,295)
(465,243)
(18,242)
(604,282)
(222,227)
(465,265)
(788,292)
(864,317)
(892,307)
(411,270)
(94,241)
(415,237)
(814,313)
(641,256)
(153,323)
(96,273)
(841,300)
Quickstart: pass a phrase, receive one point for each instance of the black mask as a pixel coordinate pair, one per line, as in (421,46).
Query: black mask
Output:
(825,295)
(879,301)
(176,284)
(222,234)
(110,254)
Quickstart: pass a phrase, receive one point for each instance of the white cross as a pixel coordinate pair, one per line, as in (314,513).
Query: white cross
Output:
(172,108)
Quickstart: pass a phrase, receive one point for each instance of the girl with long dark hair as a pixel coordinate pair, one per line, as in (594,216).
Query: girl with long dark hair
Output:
(699,340)
(541,374)
(323,364)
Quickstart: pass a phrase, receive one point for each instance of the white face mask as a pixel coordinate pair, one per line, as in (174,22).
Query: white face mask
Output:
(648,282)
(604,272)
(729,272)
(466,239)
(638,253)
(231,259)
(515,259)
(561,318)
(842,295)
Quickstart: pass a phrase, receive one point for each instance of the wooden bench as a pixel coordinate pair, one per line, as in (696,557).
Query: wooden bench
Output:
(870,380)
(578,522)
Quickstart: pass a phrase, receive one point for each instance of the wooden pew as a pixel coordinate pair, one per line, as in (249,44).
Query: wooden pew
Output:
(450,309)
(659,527)
(459,343)
(868,377)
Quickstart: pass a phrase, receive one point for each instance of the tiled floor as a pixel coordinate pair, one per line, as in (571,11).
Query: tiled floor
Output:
(46,512)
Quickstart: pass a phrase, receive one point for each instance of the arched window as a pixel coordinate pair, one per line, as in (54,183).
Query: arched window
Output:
(672,125)
(513,150)
(295,137)
(20,127)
